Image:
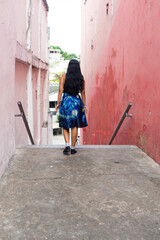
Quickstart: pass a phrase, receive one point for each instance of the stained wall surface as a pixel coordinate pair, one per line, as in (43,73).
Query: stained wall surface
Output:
(7,71)
(22,23)
(44,35)
(35,26)
(120,62)
(21,71)
(21,64)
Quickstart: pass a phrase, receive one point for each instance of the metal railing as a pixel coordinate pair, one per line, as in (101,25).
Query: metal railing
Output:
(120,122)
(22,114)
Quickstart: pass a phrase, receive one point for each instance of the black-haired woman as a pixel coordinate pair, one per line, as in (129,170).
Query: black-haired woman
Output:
(72,107)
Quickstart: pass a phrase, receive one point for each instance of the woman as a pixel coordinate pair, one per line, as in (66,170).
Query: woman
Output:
(72,107)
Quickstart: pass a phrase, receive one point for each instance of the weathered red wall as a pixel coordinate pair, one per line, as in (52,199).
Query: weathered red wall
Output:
(120,62)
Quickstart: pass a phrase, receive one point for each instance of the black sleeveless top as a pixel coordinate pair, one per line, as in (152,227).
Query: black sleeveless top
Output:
(71,91)
(74,93)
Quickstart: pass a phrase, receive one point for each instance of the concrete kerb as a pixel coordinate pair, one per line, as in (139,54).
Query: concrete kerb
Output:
(79,146)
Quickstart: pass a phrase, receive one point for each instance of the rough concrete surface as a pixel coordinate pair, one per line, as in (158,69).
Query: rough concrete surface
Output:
(98,194)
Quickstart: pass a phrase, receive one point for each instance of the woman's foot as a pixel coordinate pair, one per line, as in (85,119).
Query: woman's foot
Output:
(73,151)
(66,151)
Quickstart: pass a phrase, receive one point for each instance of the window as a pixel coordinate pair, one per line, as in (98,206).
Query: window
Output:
(52,104)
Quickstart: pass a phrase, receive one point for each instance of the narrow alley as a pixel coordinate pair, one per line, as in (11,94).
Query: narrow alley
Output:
(101,193)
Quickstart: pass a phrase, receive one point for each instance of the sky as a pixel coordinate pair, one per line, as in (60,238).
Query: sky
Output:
(64,21)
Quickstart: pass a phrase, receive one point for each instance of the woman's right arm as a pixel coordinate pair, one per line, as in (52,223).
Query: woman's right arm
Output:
(61,85)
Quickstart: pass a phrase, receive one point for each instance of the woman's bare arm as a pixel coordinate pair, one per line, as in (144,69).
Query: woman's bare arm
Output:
(83,93)
(61,85)
(83,96)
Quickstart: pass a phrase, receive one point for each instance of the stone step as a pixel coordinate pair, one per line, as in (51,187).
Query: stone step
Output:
(79,146)
(100,193)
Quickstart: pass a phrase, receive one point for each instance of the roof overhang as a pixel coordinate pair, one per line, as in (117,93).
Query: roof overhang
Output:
(46,5)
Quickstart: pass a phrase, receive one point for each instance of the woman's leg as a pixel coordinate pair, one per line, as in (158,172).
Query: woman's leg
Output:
(67,140)
(66,135)
(74,134)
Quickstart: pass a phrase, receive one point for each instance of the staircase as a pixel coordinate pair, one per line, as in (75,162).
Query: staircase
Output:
(100,193)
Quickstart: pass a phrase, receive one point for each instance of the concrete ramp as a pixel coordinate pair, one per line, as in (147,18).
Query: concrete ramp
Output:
(101,193)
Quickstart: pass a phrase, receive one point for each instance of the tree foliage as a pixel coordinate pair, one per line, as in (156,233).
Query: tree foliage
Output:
(66,55)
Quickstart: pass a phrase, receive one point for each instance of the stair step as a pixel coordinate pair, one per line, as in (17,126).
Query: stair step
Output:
(101,192)
(80,146)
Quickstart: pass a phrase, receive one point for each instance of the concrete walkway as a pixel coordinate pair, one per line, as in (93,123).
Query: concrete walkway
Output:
(110,193)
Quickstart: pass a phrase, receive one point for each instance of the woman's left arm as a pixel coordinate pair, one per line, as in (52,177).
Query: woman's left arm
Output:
(83,94)
(61,85)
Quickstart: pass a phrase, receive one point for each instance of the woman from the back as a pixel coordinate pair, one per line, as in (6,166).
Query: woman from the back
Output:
(72,107)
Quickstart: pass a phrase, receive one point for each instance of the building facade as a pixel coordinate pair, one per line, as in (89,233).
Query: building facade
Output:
(120,61)
(23,74)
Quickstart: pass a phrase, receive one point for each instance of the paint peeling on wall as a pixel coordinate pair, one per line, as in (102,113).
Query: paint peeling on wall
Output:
(123,68)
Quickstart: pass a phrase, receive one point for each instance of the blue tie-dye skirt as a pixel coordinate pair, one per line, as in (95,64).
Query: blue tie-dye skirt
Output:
(72,112)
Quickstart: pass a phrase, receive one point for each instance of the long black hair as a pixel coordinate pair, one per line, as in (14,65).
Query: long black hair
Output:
(74,82)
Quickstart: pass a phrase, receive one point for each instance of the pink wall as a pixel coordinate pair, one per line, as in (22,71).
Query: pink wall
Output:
(21,71)
(35,28)
(44,34)
(7,69)
(35,111)
(21,21)
(122,66)
(20,63)
(43,75)
(36,23)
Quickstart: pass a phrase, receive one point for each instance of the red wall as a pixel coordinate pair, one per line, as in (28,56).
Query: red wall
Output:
(120,62)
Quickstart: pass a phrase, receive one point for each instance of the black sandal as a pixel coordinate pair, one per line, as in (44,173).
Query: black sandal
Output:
(73,151)
(66,151)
